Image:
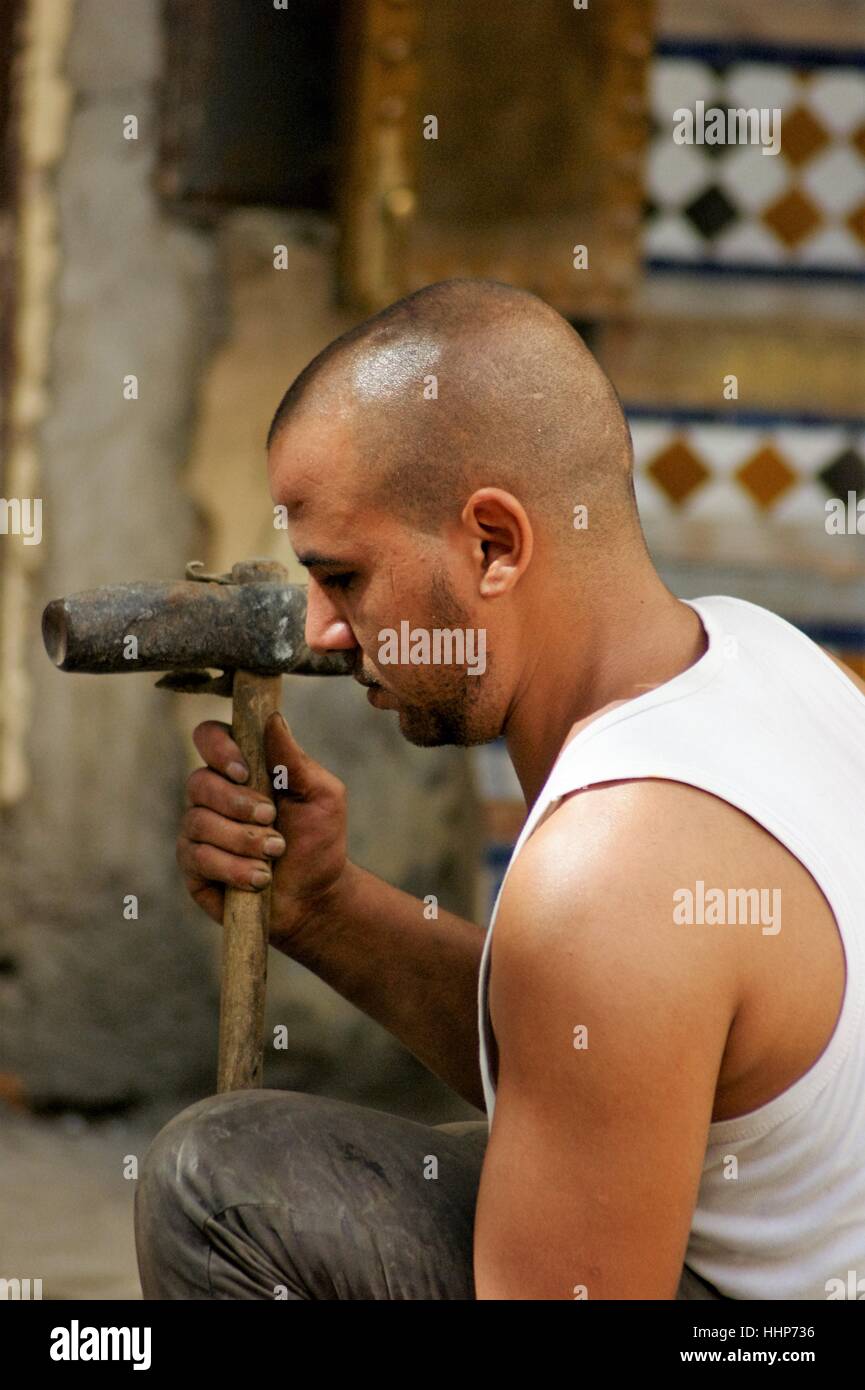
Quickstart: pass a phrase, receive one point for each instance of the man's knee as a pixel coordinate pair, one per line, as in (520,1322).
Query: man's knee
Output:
(185,1178)
(251,1190)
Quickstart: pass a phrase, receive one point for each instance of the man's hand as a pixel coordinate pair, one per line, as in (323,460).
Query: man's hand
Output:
(599,1137)
(234,836)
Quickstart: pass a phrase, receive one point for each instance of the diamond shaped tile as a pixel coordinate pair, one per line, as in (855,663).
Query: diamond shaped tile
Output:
(723,147)
(802,136)
(808,449)
(793,218)
(834,247)
(675,173)
(711,212)
(678,471)
(846,473)
(671,237)
(766,476)
(749,242)
(857,139)
(835,180)
(757,84)
(856,223)
(678,82)
(752,180)
(837,97)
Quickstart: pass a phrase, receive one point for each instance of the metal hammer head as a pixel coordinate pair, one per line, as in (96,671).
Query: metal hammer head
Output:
(250,620)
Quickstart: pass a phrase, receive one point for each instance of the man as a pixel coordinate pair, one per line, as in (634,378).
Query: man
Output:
(671,1052)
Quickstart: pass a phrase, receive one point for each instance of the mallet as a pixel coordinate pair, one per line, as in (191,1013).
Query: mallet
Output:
(249,626)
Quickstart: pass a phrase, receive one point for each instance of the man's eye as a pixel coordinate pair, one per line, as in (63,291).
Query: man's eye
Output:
(337,581)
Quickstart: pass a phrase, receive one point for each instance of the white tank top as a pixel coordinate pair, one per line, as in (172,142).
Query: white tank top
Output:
(768,723)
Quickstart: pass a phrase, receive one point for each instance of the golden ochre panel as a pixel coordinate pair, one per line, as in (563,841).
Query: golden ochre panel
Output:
(494,140)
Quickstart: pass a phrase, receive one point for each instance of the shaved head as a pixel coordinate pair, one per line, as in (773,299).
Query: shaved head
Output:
(460,461)
(473,383)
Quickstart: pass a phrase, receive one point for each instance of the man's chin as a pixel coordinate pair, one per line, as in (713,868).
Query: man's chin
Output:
(419,727)
(426,729)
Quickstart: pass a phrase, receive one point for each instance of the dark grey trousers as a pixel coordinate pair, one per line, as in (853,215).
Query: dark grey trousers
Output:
(281,1195)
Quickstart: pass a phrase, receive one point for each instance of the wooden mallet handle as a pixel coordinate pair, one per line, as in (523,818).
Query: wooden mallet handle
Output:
(246,919)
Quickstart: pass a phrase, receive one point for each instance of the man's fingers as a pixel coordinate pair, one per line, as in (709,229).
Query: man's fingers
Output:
(209,896)
(288,765)
(205,862)
(214,742)
(210,789)
(203,826)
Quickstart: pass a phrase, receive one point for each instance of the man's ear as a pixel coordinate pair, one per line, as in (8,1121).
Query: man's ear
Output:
(503,538)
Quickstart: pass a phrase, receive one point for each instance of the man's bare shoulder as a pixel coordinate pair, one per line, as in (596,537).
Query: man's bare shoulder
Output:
(597,902)
(597,882)
(633,834)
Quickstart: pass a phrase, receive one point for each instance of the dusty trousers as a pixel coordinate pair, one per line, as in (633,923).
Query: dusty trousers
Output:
(282,1195)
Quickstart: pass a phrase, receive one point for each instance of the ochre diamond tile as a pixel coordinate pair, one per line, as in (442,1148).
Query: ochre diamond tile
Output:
(802,136)
(678,470)
(765,476)
(793,218)
(856,223)
(857,139)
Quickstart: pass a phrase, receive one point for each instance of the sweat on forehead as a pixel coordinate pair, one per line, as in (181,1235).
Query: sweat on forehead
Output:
(386,370)
(404,338)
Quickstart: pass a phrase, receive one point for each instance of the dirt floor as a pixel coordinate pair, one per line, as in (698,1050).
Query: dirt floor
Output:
(65,1205)
(66,1208)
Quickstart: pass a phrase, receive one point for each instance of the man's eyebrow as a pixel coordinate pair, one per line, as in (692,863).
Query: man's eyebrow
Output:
(312,560)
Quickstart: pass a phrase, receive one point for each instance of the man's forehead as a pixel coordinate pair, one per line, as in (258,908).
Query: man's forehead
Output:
(316,476)
(312,461)
(309,437)
(326,536)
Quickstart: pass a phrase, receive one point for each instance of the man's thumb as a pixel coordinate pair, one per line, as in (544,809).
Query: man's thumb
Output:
(286,761)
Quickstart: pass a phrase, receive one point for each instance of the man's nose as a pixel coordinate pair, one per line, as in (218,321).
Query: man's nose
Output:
(326,630)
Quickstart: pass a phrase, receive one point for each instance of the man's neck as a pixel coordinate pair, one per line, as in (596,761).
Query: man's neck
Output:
(584,673)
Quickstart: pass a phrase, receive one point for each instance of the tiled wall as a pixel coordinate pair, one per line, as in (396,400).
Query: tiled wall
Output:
(731,211)
(699,465)
(731,205)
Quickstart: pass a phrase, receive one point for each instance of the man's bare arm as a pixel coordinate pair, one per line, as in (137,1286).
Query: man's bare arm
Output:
(418,978)
(611,1024)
